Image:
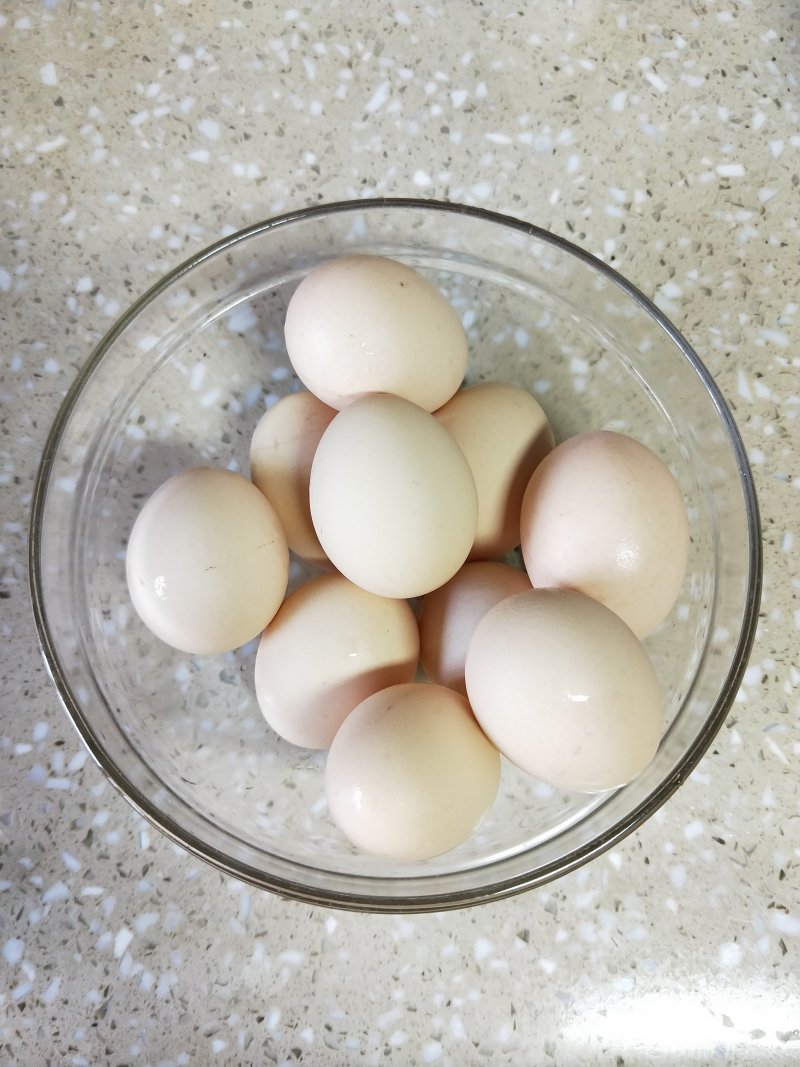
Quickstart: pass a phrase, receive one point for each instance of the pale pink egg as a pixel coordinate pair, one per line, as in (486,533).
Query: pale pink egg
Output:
(329,647)
(604,515)
(281,453)
(504,434)
(368,324)
(410,774)
(450,614)
(565,690)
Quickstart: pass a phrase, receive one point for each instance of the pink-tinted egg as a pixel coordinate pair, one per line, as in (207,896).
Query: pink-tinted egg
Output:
(504,435)
(281,453)
(451,613)
(603,514)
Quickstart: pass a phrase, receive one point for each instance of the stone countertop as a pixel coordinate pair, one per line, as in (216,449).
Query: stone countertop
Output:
(664,138)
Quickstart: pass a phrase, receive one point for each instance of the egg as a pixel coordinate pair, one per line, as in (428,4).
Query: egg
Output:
(207,562)
(367,324)
(602,514)
(450,614)
(329,647)
(281,452)
(392,497)
(504,434)
(410,774)
(565,690)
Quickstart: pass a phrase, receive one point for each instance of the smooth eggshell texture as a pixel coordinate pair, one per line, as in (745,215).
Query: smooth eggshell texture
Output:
(451,613)
(604,515)
(329,647)
(392,497)
(410,774)
(367,324)
(504,434)
(207,561)
(281,452)
(565,690)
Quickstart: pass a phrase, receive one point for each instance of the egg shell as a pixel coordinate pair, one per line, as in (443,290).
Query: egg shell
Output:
(281,453)
(367,324)
(604,515)
(410,774)
(393,500)
(207,562)
(565,690)
(504,433)
(329,647)
(450,614)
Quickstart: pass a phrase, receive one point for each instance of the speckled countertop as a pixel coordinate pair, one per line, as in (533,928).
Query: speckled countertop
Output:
(663,137)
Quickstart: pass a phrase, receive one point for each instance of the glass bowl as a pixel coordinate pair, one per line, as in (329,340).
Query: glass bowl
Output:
(182,379)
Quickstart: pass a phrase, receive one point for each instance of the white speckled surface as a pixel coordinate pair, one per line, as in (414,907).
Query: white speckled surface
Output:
(663,137)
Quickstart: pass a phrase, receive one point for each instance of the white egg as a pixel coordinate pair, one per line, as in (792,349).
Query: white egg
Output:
(207,561)
(392,497)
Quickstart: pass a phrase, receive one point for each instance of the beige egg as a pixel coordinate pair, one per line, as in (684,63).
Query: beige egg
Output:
(410,774)
(392,497)
(451,613)
(281,452)
(504,434)
(565,690)
(329,647)
(604,515)
(367,324)
(207,562)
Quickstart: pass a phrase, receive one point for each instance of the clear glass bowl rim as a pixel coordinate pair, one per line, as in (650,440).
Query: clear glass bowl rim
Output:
(364,900)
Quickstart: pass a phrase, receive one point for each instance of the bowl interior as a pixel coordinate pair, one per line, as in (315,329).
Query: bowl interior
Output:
(183,379)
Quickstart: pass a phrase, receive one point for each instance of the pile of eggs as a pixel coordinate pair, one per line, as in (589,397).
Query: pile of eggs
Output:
(400,484)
